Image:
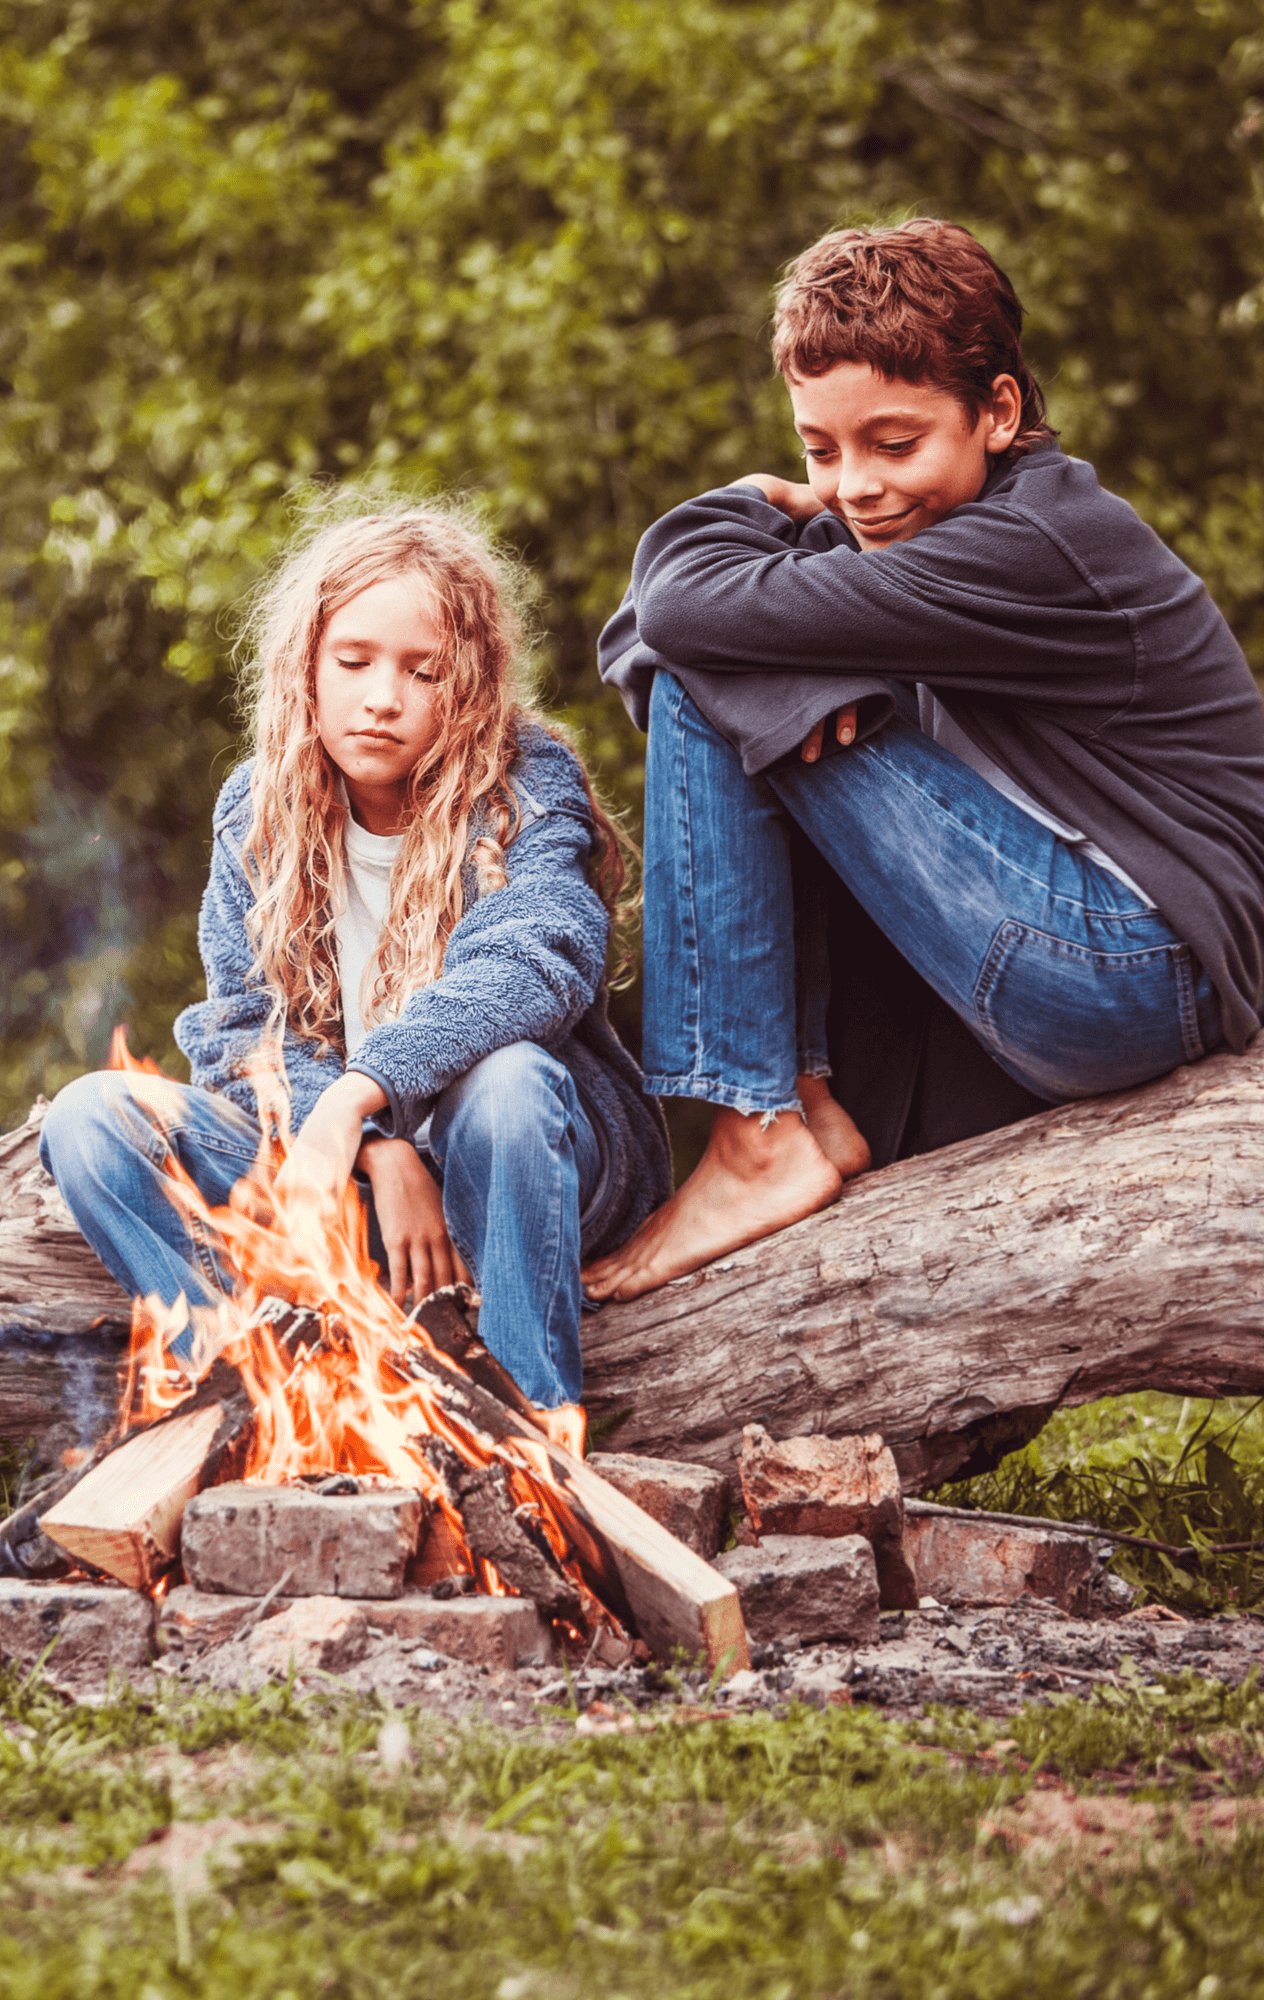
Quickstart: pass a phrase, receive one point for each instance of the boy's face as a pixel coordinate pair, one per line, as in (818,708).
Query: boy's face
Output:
(890,457)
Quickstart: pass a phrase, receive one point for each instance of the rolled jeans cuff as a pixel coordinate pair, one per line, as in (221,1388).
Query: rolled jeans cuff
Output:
(710,1090)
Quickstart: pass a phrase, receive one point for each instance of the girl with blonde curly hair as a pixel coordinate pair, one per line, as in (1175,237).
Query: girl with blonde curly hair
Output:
(410,899)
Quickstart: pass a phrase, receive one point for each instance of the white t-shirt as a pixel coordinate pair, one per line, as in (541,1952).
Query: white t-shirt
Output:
(368,859)
(937,723)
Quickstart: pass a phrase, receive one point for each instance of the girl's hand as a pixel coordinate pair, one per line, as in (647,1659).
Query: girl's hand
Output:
(799,502)
(322,1156)
(419,1251)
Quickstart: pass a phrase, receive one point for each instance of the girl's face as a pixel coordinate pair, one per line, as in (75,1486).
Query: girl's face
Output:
(891,458)
(380,656)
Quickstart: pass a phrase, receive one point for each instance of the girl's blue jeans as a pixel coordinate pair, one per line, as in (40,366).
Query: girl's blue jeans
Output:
(515,1148)
(1070,982)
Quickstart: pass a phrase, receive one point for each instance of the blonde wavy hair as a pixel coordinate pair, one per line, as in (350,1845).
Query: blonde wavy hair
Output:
(293,850)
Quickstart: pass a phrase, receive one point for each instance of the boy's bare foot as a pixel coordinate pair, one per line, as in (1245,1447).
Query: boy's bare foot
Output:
(832,1129)
(749,1182)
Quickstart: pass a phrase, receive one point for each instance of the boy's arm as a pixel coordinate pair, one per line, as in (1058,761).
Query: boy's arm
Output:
(731,583)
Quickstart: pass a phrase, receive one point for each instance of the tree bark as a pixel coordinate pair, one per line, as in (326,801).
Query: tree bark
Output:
(954,1301)
(950,1302)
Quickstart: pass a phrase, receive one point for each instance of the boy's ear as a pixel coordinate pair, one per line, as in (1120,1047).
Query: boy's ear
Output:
(1003,418)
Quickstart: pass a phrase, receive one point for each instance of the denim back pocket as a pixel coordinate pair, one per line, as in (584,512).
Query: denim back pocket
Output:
(1074,1021)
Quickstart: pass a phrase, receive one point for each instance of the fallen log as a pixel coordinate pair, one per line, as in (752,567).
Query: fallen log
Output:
(949,1303)
(953,1302)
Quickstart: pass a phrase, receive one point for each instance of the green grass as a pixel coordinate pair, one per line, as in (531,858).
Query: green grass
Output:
(13,1458)
(800,1858)
(1176,1470)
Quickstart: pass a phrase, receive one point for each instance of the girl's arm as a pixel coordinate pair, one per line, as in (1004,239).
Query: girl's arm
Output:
(524,963)
(223,1034)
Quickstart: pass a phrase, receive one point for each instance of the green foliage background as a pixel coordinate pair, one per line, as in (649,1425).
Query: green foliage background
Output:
(523,252)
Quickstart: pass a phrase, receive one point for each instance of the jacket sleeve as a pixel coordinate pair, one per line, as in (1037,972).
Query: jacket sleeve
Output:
(523,964)
(983,599)
(220,1034)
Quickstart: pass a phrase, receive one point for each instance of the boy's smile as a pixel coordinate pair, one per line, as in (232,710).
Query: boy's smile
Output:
(890,457)
(376,667)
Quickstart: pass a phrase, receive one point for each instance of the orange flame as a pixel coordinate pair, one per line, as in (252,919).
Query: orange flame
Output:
(339,1399)
(121,1057)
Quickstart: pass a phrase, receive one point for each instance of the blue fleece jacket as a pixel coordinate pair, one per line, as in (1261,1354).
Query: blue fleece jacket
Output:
(525,963)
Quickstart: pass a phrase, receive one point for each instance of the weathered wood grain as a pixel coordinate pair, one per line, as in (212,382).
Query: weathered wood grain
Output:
(63,1320)
(953,1301)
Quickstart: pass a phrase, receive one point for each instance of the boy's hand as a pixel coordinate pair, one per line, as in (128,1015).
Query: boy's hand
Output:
(844,730)
(420,1254)
(799,502)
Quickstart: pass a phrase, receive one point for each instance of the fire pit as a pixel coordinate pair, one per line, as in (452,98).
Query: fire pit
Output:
(311,1373)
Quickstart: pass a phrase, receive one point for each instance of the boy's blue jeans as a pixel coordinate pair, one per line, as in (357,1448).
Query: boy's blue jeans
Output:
(519,1161)
(1067,979)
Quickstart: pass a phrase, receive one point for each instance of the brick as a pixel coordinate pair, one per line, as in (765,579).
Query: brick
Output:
(969,1562)
(198,1619)
(96,1626)
(831,1487)
(241,1539)
(491,1631)
(690,1501)
(488,1631)
(817,1586)
(315,1632)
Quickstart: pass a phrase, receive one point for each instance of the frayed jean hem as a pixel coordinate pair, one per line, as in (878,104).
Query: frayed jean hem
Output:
(711,1091)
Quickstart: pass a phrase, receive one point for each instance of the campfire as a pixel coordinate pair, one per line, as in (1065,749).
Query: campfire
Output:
(310,1374)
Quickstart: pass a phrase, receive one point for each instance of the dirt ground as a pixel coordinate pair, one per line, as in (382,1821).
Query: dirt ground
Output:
(992,1660)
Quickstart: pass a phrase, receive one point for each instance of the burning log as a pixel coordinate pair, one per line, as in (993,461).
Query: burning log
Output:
(124,1516)
(500,1532)
(121,1513)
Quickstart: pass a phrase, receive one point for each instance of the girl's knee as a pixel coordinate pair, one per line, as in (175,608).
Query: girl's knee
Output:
(92,1117)
(505,1093)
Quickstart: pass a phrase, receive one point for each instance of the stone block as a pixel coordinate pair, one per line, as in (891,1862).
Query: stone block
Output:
(486,1631)
(314,1632)
(241,1539)
(982,1562)
(831,1487)
(816,1586)
(690,1501)
(195,1620)
(96,1626)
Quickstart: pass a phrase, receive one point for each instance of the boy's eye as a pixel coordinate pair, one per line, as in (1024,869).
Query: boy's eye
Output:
(897,446)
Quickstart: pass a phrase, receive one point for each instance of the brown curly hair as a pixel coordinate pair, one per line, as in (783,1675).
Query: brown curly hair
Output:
(921,301)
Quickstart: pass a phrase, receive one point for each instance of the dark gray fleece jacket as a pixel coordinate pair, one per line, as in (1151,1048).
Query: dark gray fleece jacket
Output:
(525,963)
(1055,627)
